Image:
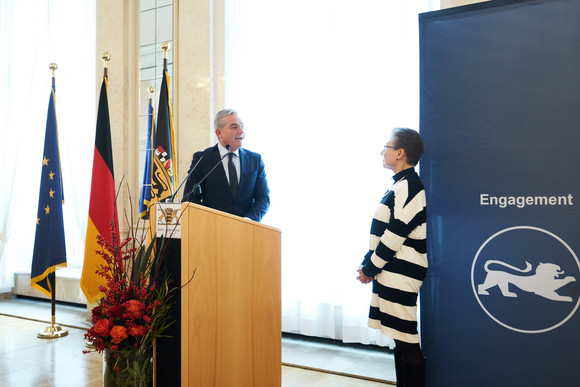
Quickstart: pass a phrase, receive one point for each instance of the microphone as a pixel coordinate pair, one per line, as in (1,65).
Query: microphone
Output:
(228,147)
(187,177)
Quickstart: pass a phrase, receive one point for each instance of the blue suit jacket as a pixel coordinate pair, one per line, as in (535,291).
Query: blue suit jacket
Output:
(252,200)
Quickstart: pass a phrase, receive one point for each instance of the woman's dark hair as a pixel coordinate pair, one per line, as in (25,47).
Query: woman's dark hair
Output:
(411,141)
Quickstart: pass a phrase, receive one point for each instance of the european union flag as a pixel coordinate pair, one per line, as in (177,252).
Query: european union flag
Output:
(49,244)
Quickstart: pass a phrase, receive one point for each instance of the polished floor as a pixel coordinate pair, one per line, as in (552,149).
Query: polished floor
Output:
(26,360)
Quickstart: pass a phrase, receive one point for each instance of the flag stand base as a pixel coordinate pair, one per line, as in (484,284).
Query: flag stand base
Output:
(53,331)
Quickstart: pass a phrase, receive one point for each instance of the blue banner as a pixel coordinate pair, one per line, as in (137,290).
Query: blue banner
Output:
(500,117)
(145,197)
(49,242)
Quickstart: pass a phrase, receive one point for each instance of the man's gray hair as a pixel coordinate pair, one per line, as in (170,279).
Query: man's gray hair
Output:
(219,117)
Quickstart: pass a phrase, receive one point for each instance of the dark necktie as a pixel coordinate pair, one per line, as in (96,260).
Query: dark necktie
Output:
(233,175)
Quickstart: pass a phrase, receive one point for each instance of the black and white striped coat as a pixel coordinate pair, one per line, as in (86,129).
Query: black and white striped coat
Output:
(397,258)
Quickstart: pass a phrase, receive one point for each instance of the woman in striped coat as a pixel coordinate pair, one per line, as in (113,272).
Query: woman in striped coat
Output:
(396,262)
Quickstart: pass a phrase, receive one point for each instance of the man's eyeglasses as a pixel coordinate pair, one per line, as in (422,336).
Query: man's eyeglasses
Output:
(387,147)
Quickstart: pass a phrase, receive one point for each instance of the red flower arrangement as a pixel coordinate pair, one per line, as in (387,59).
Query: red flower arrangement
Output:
(135,308)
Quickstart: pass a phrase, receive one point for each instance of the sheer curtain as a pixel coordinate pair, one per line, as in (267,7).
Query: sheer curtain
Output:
(33,34)
(319,85)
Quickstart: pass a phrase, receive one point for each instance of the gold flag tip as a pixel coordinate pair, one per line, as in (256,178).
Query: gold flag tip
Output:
(53,331)
(53,66)
(165,46)
(106,56)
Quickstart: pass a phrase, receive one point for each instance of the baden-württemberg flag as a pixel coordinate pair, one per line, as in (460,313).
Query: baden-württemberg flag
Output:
(49,243)
(164,156)
(145,199)
(102,205)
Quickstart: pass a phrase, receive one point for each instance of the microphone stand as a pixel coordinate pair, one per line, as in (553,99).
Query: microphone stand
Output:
(209,173)
(187,177)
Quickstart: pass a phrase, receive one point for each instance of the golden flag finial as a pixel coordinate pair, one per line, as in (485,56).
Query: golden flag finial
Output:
(165,47)
(106,57)
(53,66)
(151,91)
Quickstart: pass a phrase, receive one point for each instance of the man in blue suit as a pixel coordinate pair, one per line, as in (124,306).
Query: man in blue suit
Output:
(247,193)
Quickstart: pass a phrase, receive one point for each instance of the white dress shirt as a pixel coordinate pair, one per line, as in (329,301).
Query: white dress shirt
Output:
(235,159)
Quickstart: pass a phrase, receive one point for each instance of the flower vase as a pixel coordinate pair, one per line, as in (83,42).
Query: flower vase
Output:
(128,367)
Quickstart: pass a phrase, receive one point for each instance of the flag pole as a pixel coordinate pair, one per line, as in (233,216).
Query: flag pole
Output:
(151,91)
(54,330)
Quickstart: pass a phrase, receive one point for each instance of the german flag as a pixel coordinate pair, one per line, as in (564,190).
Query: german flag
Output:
(102,205)
(49,244)
(164,168)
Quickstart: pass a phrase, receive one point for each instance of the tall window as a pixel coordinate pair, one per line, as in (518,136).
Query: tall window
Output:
(156,27)
(319,85)
(32,35)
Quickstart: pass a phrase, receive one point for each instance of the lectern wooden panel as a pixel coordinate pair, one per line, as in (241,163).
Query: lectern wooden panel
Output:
(231,310)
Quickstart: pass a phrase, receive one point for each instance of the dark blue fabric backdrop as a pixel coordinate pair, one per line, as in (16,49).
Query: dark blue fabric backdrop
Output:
(500,117)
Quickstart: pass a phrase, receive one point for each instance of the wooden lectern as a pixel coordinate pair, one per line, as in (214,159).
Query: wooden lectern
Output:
(231,310)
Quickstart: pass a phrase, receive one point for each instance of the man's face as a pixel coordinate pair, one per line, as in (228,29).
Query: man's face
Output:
(232,133)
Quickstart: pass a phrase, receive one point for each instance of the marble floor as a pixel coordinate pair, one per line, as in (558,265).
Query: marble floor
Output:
(26,360)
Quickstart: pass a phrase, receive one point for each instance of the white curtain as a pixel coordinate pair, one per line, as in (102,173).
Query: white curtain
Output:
(35,33)
(319,85)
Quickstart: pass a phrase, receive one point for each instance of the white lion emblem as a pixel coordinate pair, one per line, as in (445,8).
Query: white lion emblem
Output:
(544,282)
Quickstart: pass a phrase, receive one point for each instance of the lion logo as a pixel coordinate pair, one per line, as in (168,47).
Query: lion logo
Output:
(544,282)
(169,214)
